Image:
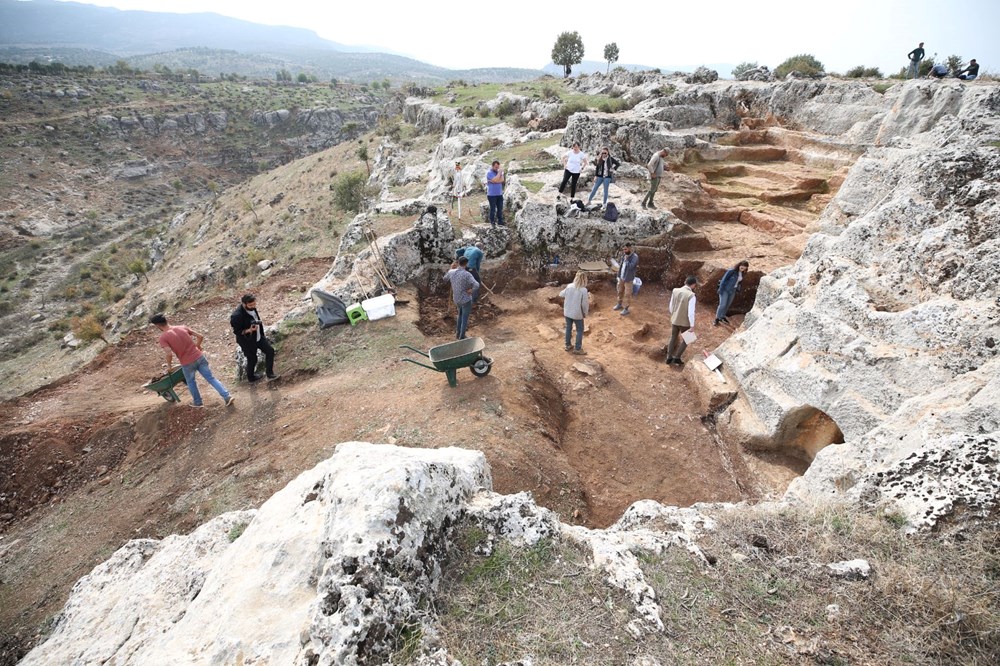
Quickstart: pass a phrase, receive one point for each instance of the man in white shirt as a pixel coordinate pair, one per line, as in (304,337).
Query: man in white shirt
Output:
(682,304)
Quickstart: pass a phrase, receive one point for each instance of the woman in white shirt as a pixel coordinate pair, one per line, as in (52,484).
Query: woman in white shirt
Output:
(575,308)
(573,164)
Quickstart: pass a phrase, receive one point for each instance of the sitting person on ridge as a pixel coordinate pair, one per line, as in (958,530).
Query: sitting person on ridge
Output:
(971,72)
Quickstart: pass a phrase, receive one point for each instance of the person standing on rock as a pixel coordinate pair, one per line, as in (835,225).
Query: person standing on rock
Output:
(185,343)
(915,56)
(626,266)
(728,286)
(249,331)
(573,163)
(458,187)
(655,167)
(603,174)
(682,304)
(576,305)
(494,194)
(463,286)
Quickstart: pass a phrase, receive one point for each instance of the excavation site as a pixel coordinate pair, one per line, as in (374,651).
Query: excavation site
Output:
(855,366)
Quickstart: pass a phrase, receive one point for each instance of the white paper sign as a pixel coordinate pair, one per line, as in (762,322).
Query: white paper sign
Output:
(689,337)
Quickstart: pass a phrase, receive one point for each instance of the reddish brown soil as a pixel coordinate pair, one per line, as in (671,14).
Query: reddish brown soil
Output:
(95,460)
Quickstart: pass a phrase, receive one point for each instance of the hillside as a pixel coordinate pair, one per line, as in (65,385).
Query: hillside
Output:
(829,496)
(77,34)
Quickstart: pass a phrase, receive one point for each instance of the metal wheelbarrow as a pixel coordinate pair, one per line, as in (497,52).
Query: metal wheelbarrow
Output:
(164,386)
(450,357)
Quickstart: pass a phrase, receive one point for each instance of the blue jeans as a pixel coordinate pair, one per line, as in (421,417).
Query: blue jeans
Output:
(600,180)
(725,300)
(496,208)
(475,292)
(201,365)
(914,68)
(464,310)
(579,332)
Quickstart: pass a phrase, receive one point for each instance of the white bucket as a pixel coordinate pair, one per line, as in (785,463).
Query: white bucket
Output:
(379,307)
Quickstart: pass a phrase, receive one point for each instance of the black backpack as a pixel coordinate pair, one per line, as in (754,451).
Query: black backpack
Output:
(611,212)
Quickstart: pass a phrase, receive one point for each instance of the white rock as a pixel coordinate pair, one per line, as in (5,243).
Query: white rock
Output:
(850,569)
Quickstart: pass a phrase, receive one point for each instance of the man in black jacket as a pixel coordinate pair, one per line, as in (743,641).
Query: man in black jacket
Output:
(249,331)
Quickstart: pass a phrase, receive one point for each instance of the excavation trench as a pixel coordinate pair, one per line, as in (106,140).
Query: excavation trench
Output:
(626,426)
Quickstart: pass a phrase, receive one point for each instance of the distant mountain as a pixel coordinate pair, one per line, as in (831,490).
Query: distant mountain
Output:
(591,66)
(79,34)
(50,23)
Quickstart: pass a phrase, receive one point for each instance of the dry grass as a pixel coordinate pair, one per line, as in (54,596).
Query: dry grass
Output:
(768,599)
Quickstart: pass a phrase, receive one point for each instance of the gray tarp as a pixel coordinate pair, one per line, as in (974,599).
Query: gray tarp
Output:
(330,309)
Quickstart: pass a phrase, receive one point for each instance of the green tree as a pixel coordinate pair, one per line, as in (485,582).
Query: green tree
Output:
(303,77)
(610,55)
(803,63)
(954,63)
(568,51)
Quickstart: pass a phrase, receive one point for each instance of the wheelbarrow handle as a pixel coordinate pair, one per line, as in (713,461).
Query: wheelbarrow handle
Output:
(422,365)
(416,350)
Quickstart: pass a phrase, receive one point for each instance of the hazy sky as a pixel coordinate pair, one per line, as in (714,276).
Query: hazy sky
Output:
(517,33)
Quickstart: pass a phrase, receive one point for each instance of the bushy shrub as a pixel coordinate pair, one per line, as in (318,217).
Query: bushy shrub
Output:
(88,328)
(549,91)
(483,112)
(349,191)
(504,108)
(519,120)
(862,72)
(803,63)
(468,112)
(742,68)
(613,106)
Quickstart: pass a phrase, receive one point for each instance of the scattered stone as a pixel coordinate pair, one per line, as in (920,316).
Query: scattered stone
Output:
(265,264)
(850,569)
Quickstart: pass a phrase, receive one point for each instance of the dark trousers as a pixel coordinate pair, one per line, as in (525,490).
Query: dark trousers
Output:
(496,209)
(677,345)
(567,177)
(475,292)
(250,351)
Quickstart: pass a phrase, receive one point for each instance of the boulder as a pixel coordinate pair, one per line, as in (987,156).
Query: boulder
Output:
(702,75)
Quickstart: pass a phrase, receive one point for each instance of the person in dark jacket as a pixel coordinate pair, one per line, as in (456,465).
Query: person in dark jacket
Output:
(249,331)
(603,174)
(728,286)
(971,72)
(626,266)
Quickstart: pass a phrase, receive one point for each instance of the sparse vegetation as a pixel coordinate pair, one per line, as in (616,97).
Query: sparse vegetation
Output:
(236,531)
(88,328)
(931,599)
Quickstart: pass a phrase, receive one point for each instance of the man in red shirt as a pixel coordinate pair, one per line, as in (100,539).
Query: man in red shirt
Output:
(186,345)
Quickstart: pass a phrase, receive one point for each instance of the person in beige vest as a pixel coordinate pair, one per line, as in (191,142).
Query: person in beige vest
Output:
(682,303)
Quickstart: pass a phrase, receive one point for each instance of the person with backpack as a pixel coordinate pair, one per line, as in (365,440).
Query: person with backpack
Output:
(728,286)
(576,305)
(603,174)
(626,266)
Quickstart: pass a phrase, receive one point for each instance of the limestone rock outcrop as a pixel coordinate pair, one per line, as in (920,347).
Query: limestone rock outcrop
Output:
(330,568)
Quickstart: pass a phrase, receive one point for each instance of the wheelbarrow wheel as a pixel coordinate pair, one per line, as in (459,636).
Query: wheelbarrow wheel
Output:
(481,367)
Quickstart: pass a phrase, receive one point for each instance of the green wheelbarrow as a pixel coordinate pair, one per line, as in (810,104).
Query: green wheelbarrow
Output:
(450,357)
(164,386)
